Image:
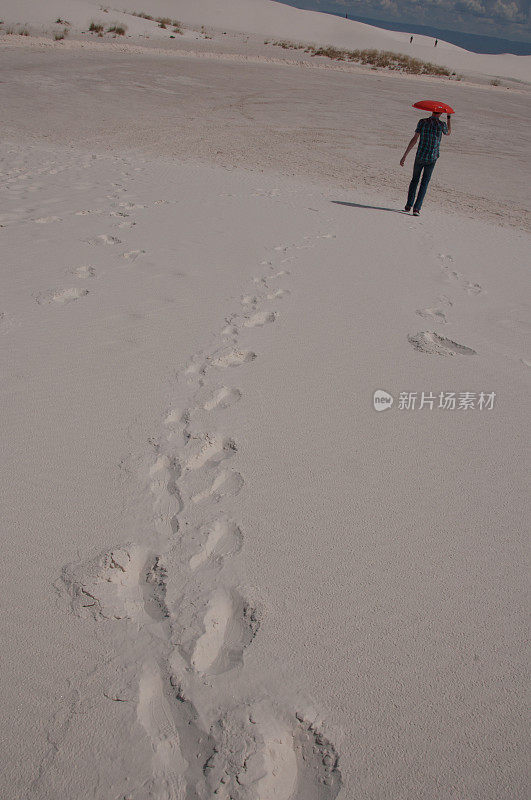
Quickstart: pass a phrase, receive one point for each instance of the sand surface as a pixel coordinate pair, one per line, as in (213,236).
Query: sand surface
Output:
(225,575)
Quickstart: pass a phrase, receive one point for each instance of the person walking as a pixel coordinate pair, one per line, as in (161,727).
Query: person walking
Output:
(410,39)
(436,42)
(429,131)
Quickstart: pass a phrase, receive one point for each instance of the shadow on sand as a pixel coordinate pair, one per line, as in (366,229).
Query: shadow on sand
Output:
(376,208)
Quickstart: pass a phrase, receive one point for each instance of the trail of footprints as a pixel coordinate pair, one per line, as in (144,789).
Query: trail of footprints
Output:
(121,211)
(430,342)
(62,296)
(179,586)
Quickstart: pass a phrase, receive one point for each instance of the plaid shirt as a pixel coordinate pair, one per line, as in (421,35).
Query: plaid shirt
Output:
(431,131)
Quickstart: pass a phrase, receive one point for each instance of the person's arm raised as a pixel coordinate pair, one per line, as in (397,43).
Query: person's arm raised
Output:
(410,147)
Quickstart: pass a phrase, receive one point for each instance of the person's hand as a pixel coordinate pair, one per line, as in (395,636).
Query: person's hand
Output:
(402,161)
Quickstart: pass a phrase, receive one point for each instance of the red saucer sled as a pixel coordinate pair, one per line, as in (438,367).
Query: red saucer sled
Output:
(434,106)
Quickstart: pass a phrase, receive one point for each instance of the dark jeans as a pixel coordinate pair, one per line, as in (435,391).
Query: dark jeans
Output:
(417,169)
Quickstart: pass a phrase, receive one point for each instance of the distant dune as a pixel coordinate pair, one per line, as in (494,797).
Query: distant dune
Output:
(269,18)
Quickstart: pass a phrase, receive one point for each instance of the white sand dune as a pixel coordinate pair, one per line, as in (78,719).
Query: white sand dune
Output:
(271,19)
(224,574)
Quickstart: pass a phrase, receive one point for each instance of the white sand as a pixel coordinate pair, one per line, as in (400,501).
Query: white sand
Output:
(261,18)
(225,575)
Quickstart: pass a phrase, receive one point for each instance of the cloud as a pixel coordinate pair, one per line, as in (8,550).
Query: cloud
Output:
(471,7)
(509,11)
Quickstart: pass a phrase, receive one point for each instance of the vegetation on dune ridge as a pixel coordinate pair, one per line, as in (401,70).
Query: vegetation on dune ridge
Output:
(142,15)
(119,30)
(163,22)
(379,59)
(15,30)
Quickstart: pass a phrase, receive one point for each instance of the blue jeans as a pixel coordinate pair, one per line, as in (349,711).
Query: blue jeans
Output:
(417,169)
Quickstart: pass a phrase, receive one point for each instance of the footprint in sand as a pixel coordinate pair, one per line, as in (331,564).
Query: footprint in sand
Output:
(175,420)
(89,211)
(207,449)
(230,329)
(227,625)
(218,540)
(173,417)
(454,275)
(167,502)
(254,752)
(155,714)
(179,745)
(103,238)
(46,220)
(108,586)
(83,272)
(278,294)
(226,484)
(232,357)
(472,288)
(432,313)
(445,300)
(154,588)
(61,296)
(250,300)
(432,343)
(132,255)
(219,397)
(450,274)
(271,756)
(259,319)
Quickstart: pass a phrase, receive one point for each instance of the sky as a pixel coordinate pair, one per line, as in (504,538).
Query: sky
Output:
(507,19)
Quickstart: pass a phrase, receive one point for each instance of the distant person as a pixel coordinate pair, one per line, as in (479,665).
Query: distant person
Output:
(436,42)
(410,39)
(430,131)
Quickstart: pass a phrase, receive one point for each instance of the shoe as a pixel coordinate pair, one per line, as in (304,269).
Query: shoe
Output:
(408,209)
(416,213)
